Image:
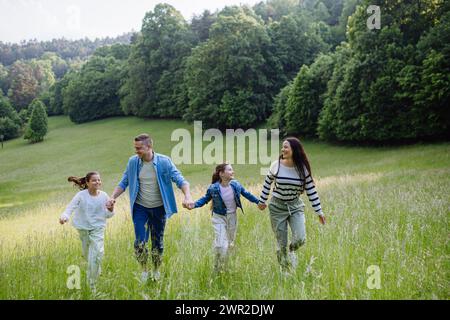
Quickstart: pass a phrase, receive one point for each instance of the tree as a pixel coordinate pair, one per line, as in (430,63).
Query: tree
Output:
(10,123)
(24,86)
(377,96)
(92,94)
(28,80)
(278,116)
(118,51)
(201,24)
(232,77)
(154,86)
(274,10)
(431,89)
(326,123)
(4,82)
(56,106)
(37,127)
(296,41)
(63,48)
(59,65)
(334,8)
(43,73)
(306,98)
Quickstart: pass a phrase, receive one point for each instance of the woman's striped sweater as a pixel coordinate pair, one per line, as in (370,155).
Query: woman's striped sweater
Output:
(288,185)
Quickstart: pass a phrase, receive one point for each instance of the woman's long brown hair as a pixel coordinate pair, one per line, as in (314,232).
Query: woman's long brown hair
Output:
(300,160)
(81,182)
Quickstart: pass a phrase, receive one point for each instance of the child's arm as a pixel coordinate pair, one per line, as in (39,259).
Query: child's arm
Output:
(108,208)
(203,200)
(249,196)
(71,207)
(110,214)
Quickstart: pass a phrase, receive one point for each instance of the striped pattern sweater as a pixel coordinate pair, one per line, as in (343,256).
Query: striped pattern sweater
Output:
(288,185)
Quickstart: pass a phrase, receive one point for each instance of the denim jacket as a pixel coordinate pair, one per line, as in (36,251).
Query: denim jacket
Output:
(166,173)
(219,207)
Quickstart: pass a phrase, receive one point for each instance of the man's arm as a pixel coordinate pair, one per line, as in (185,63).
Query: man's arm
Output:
(181,183)
(117,192)
(187,202)
(119,189)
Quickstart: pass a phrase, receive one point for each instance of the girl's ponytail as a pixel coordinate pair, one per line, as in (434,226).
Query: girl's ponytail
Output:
(215,177)
(81,182)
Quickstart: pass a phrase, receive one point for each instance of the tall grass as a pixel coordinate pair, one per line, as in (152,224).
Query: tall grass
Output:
(387,207)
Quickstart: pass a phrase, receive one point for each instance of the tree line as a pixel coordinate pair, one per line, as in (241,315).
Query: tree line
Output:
(391,84)
(32,74)
(311,68)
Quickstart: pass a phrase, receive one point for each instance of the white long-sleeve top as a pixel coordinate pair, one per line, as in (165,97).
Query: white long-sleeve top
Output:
(288,185)
(90,211)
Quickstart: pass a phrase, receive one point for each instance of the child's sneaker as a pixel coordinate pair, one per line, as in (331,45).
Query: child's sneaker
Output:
(144,277)
(293,259)
(285,272)
(93,288)
(156,275)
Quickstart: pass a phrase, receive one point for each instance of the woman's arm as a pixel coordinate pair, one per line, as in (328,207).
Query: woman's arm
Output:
(266,187)
(312,194)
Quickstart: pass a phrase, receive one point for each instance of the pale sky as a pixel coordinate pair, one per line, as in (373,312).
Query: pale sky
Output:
(75,19)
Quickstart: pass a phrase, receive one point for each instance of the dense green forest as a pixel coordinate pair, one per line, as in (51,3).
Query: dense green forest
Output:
(310,67)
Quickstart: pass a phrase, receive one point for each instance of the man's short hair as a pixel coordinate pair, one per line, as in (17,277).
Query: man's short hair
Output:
(144,138)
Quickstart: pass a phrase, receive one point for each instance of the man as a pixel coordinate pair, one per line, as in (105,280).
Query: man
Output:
(149,176)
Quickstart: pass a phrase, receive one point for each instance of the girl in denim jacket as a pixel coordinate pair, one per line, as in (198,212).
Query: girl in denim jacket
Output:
(225,194)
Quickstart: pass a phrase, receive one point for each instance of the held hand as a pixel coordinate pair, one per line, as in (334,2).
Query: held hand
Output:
(188,203)
(189,206)
(110,204)
(262,206)
(322,219)
(110,208)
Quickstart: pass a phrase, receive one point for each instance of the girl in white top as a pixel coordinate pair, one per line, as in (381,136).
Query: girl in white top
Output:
(89,219)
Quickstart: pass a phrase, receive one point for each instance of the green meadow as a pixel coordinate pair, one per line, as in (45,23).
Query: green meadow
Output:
(387,209)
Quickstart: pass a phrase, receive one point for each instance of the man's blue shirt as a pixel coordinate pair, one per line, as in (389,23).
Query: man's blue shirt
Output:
(166,173)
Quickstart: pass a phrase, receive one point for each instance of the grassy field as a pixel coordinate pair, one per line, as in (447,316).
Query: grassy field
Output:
(387,207)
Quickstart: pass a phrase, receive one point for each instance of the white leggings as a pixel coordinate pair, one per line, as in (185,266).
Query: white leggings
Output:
(92,242)
(225,227)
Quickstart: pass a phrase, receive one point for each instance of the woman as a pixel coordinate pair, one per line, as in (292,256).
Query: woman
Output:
(292,176)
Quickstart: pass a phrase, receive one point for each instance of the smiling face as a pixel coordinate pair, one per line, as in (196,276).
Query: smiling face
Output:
(94,182)
(141,148)
(227,174)
(286,150)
